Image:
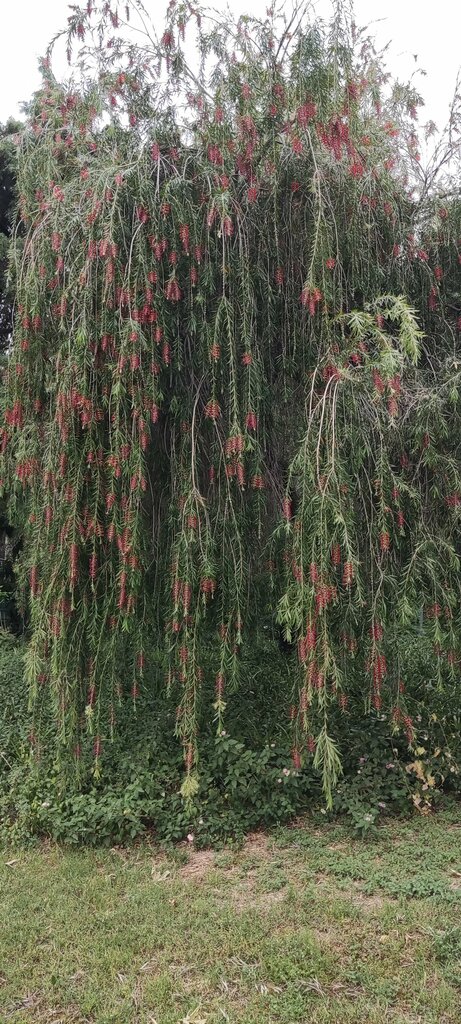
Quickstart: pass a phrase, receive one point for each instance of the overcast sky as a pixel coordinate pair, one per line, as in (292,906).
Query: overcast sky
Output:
(431,30)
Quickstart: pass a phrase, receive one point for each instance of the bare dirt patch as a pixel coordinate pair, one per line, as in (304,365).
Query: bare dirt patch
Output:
(199,865)
(201,862)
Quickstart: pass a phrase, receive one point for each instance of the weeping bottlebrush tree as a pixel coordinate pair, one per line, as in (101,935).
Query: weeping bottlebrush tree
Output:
(234,381)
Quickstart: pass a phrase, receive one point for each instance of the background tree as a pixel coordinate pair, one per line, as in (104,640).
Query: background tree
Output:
(7,206)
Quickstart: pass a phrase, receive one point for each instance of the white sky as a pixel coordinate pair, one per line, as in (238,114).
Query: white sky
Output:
(429,28)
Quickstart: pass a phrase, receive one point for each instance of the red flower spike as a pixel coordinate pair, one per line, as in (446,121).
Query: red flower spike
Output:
(384,541)
(212,409)
(287,509)
(336,555)
(173,291)
(296,758)
(348,574)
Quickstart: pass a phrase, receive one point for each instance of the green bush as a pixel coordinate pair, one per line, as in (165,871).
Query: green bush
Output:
(246,776)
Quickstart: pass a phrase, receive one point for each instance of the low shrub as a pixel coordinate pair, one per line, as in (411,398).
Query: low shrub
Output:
(247,779)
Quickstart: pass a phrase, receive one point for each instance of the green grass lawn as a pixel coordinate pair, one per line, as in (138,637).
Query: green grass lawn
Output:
(302,925)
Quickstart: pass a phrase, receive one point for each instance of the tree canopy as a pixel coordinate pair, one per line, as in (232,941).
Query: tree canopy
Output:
(233,398)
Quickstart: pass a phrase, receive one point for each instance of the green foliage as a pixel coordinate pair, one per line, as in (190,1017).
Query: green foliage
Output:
(7,209)
(14,731)
(243,783)
(232,402)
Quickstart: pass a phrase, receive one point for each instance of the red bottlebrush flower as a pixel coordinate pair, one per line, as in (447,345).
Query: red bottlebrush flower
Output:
(111,531)
(252,194)
(297,145)
(240,473)
(311,744)
(310,298)
(305,114)
(331,372)
(56,241)
(400,519)
(228,227)
(356,169)
(378,382)
(184,235)
(311,637)
(97,747)
(192,522)
(207,586)
(313,572)
(408,723)
(235,445)
(33,580)
(379,321)
(247,358)
(336,555)
(212,409)
(297,572)
(155,151)
(438,273)
(215,351)
(215,156)
(219,115)
(257,482)
(348,574)
(279,276)
(392,406)
(172,290)
(376,631)
(396,250)
(251,421)
(330,263)
(432,300)
(379,669)
(296,758)
(295,186)
(93,566)
(384,540)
